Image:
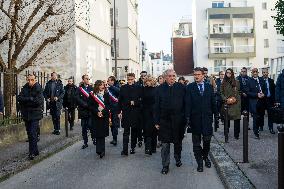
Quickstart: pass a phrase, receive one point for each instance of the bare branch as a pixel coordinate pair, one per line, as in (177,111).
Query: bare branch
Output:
(4,38)
(34,13)
(9,16)
(49,12)
(47,41)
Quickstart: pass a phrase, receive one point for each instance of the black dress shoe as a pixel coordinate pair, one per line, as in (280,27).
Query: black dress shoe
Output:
(165,170)
(139,144)
(237,138)
(124,153)
(207,162)
(113,142)
(85,146)
(31,156)
(132,151)
(178,163)
(148,152)
(200,167)
(57,132)
(256,136)
(54,132)
(272,131)
(249,128)
(102,155)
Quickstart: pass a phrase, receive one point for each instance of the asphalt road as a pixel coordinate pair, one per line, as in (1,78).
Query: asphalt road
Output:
(80,169)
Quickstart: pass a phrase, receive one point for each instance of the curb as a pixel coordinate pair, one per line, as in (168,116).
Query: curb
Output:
(229,172)
(24,163)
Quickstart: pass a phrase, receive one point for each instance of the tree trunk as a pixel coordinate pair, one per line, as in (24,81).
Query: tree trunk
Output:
(9,93)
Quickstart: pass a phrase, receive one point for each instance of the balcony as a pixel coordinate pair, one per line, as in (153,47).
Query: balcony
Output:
(244,49)
(221,49)
(238,4)
(243,29)
(221,30)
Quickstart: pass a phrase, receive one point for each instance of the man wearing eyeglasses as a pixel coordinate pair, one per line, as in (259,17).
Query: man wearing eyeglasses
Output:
(31,106)
(256,92)
(129,104)
(82,96)
(169,118)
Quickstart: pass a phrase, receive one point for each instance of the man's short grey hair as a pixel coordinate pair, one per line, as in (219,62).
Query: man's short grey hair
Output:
(168,71)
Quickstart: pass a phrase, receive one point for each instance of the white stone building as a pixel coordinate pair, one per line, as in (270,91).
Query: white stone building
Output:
(128,39)
(235,34)
(160,63)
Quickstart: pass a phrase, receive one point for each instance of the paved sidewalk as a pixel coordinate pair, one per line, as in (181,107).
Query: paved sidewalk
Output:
(75,168)
(263,164)
(14,157)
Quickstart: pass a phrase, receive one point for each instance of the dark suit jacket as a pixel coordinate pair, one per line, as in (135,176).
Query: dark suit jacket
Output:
(271,88)
(200,109)
(256,105)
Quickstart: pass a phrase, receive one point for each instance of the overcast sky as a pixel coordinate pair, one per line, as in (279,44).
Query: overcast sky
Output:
(156,18)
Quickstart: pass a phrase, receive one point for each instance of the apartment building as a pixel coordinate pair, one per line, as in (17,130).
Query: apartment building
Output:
(160,62)
(128,39)
(235,34)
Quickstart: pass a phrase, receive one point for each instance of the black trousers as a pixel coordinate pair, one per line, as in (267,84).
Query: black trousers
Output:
(127,132)
(237,127)
(115,125)
(201,152)
(100,147)
(32,131)
(86,125)
(151,142)
(165,153)
(71,116)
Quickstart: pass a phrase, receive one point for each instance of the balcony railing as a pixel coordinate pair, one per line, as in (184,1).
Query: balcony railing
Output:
(221,29)
(221,49)
(244,48)
(243,29)
(238,4)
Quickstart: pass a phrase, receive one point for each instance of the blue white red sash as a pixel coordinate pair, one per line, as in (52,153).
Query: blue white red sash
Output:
(112,97)
(85,93)
(98,100)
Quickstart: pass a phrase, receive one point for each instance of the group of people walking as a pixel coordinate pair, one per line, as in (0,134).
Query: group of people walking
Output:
(157,110)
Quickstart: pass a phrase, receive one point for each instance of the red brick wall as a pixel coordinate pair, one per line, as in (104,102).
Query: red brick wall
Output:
(183,55)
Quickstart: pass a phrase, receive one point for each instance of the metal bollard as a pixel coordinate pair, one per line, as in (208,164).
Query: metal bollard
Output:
(226,121)
(281,157)
(66,122)
(245,136)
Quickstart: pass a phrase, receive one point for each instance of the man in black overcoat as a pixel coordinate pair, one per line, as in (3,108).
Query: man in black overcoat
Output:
(169,118)
(54,93)
(69,101)
(82,96)
(31,102)
(200,107)
(129,103)
(257,92)
(269,100)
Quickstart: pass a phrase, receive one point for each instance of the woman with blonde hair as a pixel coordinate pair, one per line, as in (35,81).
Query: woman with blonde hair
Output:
(148,101)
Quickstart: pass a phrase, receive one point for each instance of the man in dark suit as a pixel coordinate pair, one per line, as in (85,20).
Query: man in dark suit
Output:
(269,100)
(256,91)
(129,104)
(53,94)
(169,118)
(200,107)
(243,79)
(69,101)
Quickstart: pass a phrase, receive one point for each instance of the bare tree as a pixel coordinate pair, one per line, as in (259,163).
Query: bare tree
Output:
(27,29)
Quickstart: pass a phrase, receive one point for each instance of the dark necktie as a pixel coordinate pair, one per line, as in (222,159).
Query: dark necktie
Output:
(201,90)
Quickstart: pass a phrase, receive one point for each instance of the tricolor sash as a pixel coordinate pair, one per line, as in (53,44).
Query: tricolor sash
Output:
(85,93)
(98,100)
(112,97)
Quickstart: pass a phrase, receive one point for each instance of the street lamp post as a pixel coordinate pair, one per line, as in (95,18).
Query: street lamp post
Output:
(114,38)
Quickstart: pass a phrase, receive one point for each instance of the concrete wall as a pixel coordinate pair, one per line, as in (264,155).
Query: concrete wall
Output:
(14,133)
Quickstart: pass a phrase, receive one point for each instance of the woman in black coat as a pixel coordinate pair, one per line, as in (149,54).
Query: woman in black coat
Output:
(148,101)
(98,103)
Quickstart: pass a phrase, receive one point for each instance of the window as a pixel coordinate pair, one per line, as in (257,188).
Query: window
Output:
(266,43)
(264,6)
(111,16)
(266,61)
(218,4)
(265,24)
(219,65)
